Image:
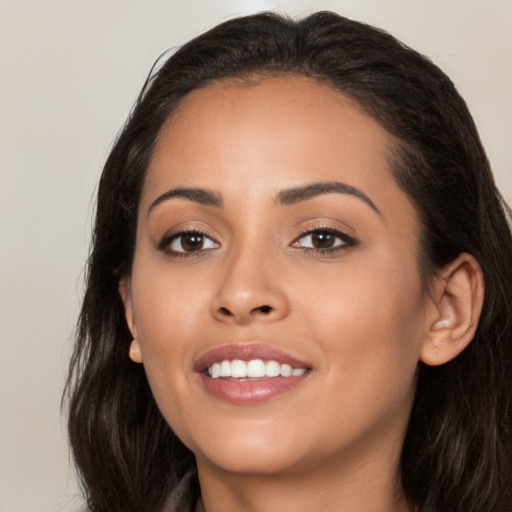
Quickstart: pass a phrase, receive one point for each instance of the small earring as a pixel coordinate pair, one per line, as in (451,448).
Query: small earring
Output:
(134,352)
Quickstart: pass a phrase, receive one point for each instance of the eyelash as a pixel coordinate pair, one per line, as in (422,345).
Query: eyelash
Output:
(347,242)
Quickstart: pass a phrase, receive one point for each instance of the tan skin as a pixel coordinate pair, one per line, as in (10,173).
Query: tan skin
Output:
(331,279)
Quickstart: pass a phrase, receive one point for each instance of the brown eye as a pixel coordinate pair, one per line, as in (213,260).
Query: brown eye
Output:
(324,240)
(188,242)
(191,242)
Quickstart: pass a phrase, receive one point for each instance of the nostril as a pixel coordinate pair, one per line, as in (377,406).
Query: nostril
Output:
(264,309)
(225,311)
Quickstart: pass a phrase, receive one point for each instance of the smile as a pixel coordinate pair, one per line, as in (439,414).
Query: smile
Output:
(252,373)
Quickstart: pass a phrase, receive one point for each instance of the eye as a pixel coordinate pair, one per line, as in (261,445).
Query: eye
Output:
(187,242)
(324,240)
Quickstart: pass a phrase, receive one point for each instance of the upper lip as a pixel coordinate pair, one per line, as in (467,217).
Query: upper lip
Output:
(246,352)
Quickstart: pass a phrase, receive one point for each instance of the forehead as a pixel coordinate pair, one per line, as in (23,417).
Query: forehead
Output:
(264,135)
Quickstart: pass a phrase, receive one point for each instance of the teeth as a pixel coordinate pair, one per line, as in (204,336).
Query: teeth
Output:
(253,369)
(215,370)
(273,369)
(238,368)
(225,369)
(286,370)
(256,368)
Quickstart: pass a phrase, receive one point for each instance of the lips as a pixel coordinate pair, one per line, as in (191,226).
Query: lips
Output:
(250,373)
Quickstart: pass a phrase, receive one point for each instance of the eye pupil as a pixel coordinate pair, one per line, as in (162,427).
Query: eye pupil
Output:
(322,239)
(192,242)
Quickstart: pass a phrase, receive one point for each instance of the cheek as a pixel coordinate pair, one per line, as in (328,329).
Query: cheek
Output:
(372,345)
(169,310)
(370,319)
(168,304)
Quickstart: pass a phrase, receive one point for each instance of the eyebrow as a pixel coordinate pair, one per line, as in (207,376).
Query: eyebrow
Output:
(298,194)
(286,197)
(197,195)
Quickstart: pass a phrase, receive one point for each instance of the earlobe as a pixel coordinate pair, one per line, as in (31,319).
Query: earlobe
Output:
(458,295)
(135,353)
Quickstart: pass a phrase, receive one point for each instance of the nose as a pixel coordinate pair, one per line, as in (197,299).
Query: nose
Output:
(250,290)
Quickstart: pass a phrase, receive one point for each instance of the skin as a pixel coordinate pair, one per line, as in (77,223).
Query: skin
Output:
(358,316)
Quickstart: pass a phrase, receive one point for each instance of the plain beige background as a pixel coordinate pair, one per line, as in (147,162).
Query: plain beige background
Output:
(70,71)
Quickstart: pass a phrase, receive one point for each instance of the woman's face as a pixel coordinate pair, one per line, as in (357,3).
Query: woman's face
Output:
(272,239)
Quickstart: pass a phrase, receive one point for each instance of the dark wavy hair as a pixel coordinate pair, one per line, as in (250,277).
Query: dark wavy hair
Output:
(457,452)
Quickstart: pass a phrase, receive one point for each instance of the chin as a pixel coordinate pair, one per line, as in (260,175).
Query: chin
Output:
(250,462)
(249,452)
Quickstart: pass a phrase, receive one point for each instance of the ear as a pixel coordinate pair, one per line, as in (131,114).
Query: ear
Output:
(458,295)
(126,296)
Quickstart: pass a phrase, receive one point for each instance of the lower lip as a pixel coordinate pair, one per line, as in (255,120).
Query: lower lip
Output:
(246,392)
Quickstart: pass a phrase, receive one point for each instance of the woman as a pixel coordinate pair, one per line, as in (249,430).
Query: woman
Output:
(299,237)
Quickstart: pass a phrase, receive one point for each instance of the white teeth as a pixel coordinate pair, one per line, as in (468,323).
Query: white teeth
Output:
(238,368)
(253,369)
(273,369)
(215,370)
(256,368)
(286,370)
(225,369)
